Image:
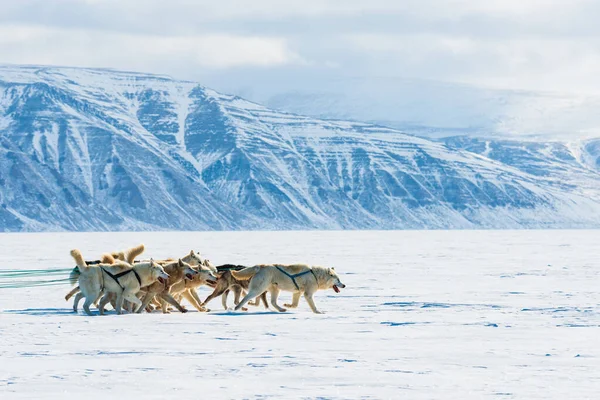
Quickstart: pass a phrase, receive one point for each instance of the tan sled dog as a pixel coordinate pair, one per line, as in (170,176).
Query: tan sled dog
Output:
(187,287)
(299,279)
(119,278)
(227,282)
(177,271)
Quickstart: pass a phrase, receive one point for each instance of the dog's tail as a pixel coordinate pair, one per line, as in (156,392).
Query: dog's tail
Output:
(76,254)
(81,265)
(107,259)
(133,252)
(71,293)
(246,273)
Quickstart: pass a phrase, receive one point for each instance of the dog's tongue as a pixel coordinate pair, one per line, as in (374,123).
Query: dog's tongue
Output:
(161,280)
(189,276)
(336,289)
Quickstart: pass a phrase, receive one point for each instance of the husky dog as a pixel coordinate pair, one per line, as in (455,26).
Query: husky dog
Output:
(193,258)
(186,288)
(128,255)
(227,282)
(299,279)
(177,271)
(119,278)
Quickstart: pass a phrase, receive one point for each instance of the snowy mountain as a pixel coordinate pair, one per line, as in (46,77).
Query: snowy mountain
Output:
(431,108)
(91,149)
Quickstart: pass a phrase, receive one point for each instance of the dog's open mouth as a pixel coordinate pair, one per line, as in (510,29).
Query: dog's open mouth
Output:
(336,289)
(162,280)
(189,276)
(210,282)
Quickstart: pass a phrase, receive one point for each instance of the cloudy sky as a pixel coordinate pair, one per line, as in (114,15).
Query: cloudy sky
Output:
(550,45)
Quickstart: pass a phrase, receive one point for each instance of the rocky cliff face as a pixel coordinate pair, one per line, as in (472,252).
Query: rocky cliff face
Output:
(84,149)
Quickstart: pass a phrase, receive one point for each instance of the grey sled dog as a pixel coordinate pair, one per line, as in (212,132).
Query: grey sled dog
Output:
(119,278)
(298,278)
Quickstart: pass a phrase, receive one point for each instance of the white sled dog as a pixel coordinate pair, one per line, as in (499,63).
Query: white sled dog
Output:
(299,279)
(119,278)
(127,256)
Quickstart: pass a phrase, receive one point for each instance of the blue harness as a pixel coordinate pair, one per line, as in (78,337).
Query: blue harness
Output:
(293,277)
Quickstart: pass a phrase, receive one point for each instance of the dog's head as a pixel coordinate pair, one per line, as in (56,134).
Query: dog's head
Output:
(193,258)
(157,272)
(205,276)
(187,269)
(333,280)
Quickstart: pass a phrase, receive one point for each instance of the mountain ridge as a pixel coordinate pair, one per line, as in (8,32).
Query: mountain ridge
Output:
(97,149)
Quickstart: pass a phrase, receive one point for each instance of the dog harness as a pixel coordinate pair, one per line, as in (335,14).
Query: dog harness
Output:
(120,274)
(229,267)
(293,277)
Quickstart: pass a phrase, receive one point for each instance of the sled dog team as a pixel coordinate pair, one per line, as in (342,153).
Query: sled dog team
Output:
(147,285)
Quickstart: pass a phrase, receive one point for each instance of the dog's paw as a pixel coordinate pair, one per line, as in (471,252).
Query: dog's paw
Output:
(289,305)
(184,310)
(244,309)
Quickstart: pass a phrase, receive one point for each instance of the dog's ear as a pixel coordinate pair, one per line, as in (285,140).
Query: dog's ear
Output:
(180,263)
(192,253)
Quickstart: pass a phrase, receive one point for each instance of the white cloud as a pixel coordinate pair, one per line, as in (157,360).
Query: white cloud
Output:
(79,47)
(513,44)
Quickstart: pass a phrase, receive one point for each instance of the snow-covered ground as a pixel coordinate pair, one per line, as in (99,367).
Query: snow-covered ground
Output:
(426,314)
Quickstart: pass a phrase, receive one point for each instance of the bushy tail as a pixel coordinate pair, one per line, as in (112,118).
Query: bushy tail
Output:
(74,275)
(107,259)
(133,252)
(76,254)
(246,273)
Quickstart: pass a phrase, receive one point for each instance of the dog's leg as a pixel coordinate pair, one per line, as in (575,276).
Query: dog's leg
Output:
(263,297)
(224,299)
(295,300)
(105,300)
(309,299)
(169,299)
(98,298)
(189,297)
(119,305)
(144,303)
(274,294)
(76,301)
(163,305)
(133,300)
(71,293)
(87,304)
(251,302)
(254,290)
(237,292)
(194,294)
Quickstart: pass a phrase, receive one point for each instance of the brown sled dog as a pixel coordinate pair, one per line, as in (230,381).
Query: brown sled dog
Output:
(187,287)
(227,282)
(177,272)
